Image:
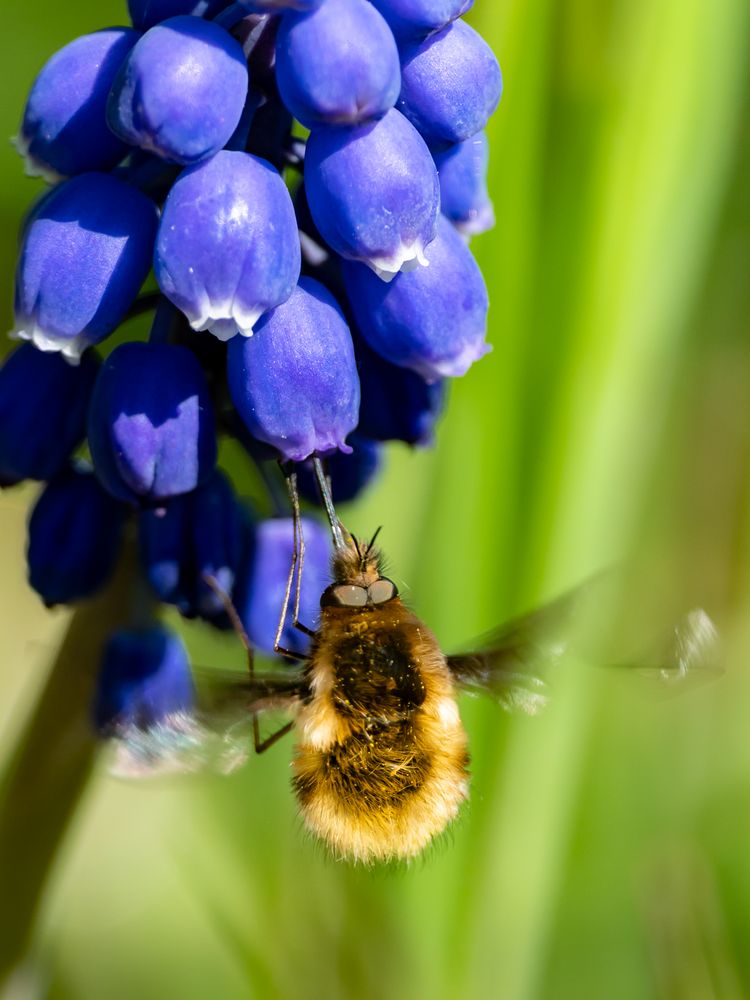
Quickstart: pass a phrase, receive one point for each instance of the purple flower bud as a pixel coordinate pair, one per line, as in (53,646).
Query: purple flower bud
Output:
(197,535)
(350,474)
(463,185)
(75,530)
(228,248)
(338,65)
(259,595)
(33,383)
(146,13)
(144,678)
(373,192)
(151,424)
(181,91)
(64,129)
(294,382)
(432,320)
(450,84)
(397,404)
(86,250)
(413,18)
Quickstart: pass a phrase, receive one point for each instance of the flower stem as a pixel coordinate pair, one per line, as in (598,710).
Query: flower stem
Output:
(49,770)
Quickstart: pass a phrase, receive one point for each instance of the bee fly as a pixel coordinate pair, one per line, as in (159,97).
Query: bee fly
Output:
(380,765)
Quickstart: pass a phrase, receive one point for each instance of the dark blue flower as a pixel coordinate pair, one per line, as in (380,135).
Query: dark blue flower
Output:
(151,423)
(33,383)
(373,192)
(86,250)
(450,84)
(294,382)
(337,65)
(75,530)
(181,91)
(350,474)
(204,533)
(259,595)
(146,13)
(432,320)
(64,129)
(414,18)
(463,185)
(228,247)
(144,679)
(396,404)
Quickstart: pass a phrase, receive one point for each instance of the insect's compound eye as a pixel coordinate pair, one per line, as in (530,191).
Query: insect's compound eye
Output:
(345,595)
(382,590)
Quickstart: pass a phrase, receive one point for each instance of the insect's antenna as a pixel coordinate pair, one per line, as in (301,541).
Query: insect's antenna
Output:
(356,546)
(373,540)
(325,492)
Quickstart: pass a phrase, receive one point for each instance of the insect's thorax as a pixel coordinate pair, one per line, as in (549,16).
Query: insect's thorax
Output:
(381,759)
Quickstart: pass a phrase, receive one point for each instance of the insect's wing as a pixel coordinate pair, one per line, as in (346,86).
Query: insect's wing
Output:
(217,736)
(515,663)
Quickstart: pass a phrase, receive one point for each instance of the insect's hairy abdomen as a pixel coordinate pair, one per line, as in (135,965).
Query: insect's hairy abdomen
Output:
(381,762)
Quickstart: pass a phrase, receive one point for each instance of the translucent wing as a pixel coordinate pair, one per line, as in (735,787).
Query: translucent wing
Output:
(217,736)
(514,663)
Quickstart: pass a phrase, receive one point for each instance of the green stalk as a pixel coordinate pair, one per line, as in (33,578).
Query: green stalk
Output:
(49,771)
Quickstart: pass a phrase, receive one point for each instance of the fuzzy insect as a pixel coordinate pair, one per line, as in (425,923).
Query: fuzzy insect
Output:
(380,765)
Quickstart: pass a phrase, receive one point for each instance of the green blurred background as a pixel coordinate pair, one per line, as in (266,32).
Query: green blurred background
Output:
(604,851)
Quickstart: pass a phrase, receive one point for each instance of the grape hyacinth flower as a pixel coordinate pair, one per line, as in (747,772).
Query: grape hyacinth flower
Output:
(151,423)
(295,382)
(396,404)
(144,679)
(85,253)
(373,192)
(31,383)
(64,129)
(432,320)
(260,592)
(337,65)
(227,249)
(146,13)
(181,91)
(450,84)
(74,537)
(419,18)
(202,534)
(464,199)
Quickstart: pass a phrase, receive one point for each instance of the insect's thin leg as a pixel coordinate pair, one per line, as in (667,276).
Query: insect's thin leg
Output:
(325,491)
(262,745)
(289,474)
(299,543)
(234,617)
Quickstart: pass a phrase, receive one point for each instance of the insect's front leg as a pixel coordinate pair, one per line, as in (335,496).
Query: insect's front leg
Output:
(298,555)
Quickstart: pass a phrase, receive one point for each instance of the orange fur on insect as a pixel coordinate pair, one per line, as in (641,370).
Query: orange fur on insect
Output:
(380,766)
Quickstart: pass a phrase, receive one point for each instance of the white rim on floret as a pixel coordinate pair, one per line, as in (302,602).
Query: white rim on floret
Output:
(31,166)
(225,319)
(71,348)
(480,221)
(406,257)
(453,367)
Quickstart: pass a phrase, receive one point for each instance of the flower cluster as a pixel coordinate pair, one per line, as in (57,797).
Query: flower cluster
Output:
(295,181)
